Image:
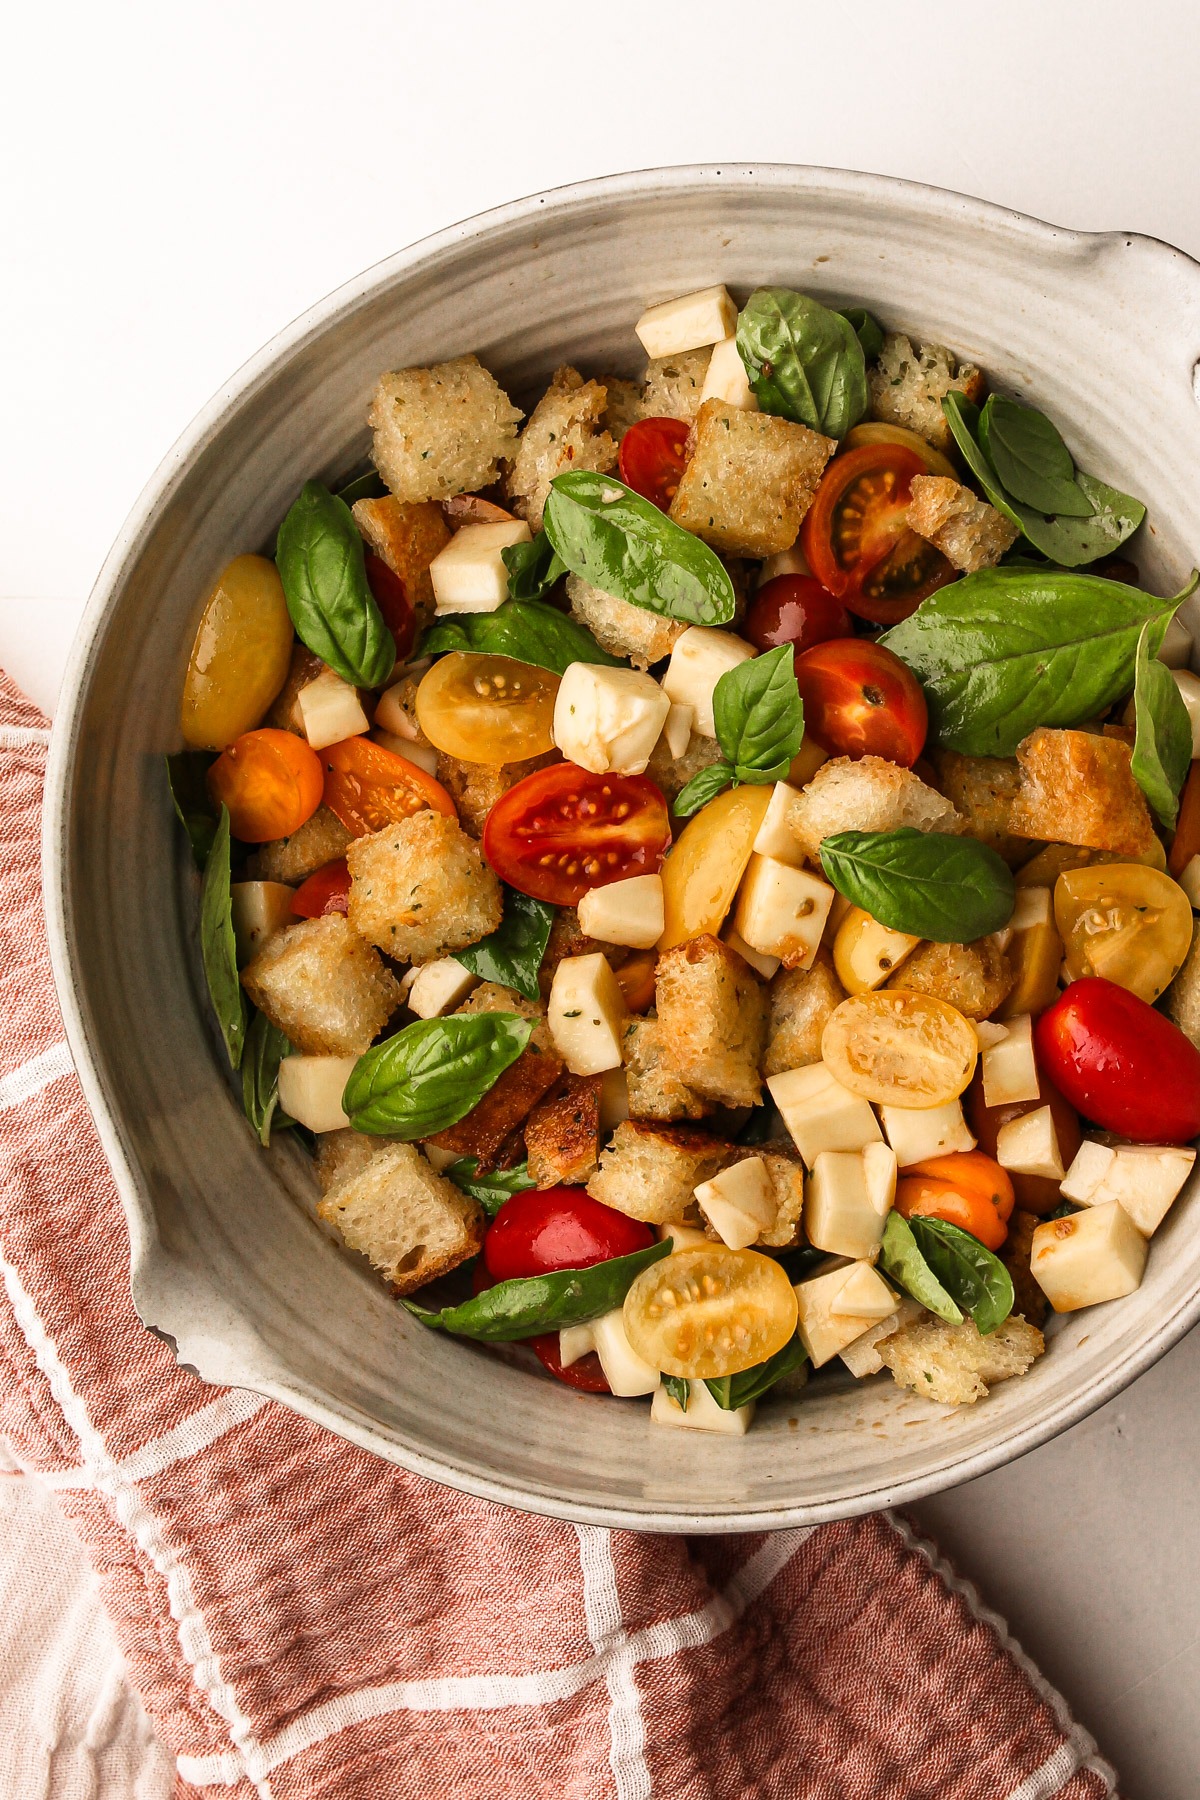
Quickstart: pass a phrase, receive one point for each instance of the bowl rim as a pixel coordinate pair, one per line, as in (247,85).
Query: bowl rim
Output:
(146,1254)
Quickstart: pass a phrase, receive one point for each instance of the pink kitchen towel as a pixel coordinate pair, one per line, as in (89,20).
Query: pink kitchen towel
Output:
(304,1622)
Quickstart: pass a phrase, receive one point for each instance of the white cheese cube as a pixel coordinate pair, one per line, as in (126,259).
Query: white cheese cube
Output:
(424,755)
(1144,1178)
(862,1357)
(608,719)
(1085,1179)
(698,661)
(824,1329)
(330,710)
(390,715)
(839,910)
(438,1158)
(1189,692)
(625,912)
(1028,1145)
(820,1113)
(469,575)
(775,836)
(438,987)
(844,1212)
(259,909)
(784,562)
(586,1014)
(683,1237)
(688,323)
(625,1372)
(915,1135)
(726,378)
(678,729)
(1009,1070)
(1092,1256)
(614,1098)
(864,1295)
(1189,881)
(703,1413)
(766,965)
(739,1203)
(781,911)
(1176,647)
(311,1089)
(575,1342)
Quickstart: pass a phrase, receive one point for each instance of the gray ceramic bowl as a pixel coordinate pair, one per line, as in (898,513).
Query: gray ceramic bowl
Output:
(1104,331)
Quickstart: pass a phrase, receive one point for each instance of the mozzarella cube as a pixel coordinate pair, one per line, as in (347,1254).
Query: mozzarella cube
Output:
(1092,1256)
(688,323)
(864,1295)
(438,1158)
(703,1413)
(698,661)
(330,710)
(614,1098)
(820,1113)
(423,755)
(390,715)
(1144,1178)
(438,987)
(608,719)
(915,1135)
(586,1014)
(259,909)
(766,965)
(1176,647)
(1028,1145)
(627,1375)
(862,1356)
(775,836)
(825,1328)
(1189,881)
(1009,1070)
(1085,1179)
(575,1342)
(739,1203)
(683,1237)
(469,575)
(844,1210)
(625,912)
(781,911)
(311,1089)
(678,729)
(1189,692)
(726,378)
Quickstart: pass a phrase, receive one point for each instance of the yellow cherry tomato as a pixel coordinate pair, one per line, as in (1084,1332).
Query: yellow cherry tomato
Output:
(711,1311)
(873,431)
(240,658)
(487,709)
(865,952)
(896,1047)
(1128,923)
(701,875)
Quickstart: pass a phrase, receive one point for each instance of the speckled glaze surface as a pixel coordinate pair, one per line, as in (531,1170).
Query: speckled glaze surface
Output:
(1102,330)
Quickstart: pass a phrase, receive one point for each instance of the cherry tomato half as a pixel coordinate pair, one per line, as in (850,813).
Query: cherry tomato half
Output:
(794,609)
(1035,1193)
(368,787)
(562,831)
(861,700)
(328,891)
(635,978)
(857,538)
(539,1231)
(586,1374)
(966,1189)
(270,781)
(652,459)
(391,597)
(1124,1066)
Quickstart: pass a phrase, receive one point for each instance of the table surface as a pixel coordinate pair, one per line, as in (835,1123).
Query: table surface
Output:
(205,172)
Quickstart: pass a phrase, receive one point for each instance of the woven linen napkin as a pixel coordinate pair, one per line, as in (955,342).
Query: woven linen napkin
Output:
(303,1620)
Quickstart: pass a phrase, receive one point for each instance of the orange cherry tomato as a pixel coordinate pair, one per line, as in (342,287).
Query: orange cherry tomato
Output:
(391,597)
(635,979)
(858,541)
(652,459)
(1186,842)
(368,787)
(966,1189)
(270,781)
(561,831)
(328,891)
(861,700)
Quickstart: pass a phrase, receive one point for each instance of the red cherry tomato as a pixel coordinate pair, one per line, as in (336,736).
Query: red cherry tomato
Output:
(391,597)
(328,891)
(1123,1065)
(652,459)
(794,609)
(538,1231)
(857,539)
(586,1374)
(562,831)
(861,700)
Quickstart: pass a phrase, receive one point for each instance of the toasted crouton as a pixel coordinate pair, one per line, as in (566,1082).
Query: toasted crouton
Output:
(750,479)
(801,1001)
(341,1154)
(908,386)
(1181,1002)
(320,840)
(443,430)
(490,996)
(968,532)
(983,789)
(1079,788)
(490,1124)
(562,1133)
(712,1020)
(1029,1300)
(622,404)
(650,1172)
(954,1363)
(672,773)
(406,538)
(673,385)
(868,795)
(420,888)
(622,629)
(656,1089)
(564,432)
(284,714)
(975,978)
(412,1223)
(476,787)
(323,987)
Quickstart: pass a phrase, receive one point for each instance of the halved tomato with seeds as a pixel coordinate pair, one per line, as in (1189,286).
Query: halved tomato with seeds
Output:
(858,541)
(368,787)
(562,831)
(652,459)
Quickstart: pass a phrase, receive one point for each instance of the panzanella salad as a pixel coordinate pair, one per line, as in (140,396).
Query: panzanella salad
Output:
(716,856)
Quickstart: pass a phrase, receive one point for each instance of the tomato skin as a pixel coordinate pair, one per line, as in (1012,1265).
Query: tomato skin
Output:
(368,786)
(965,1188)
(797,610)
(488,709)
(861,700)
(540,1230)
(586,1374)
(270,781)
(391,597)
(1034,1193)
(326,891)
(635,979)
(1123,1065)
(857,538)
(562,830)
(652,458)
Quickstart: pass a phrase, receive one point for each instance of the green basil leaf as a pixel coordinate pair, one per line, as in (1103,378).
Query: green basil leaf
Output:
(533,1304)
(1008,649)
(974,1278)
(759,715)
(363,487)
(626,546)
(429,1075)
(962,416)
(704,786)
(527,630)
(1162,748)
(1031,461)
(321,564)
(512,954)
(901,1260)
(926,883)
(492,1190)
(867,330)
(732,1391)
(186,777)
(218,949)
(533,568)
(265,1049)
(805,363)
(677,1387)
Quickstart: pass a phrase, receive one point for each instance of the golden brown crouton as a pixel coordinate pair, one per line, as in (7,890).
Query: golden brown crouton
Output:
(672,773)
(656,1089)
(982,789)
(801,1001)
(954,1363)
(320,840)
(750,479)
(476,787)
(908,386)
(1181,1002)
(420,888)
(673,385)
(650,1172)
(622,629)
(490,996)
(712,1020)
(284,714)
(406,538)
(868,795)
(622,404)
(1080,789)
(1029,1301)
(968,532)
(975,978)
(341,1154)
(505,1107)
(323,987)
(412,1223)
(562,1133)
(442,430)
(564,432)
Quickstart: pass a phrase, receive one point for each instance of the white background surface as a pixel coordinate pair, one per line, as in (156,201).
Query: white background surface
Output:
(181,180)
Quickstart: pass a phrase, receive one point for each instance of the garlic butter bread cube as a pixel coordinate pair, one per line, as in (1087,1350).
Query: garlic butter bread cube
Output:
(1078,788)
(673,386)
(388,1203)
(565,431)
(650,1172)
(476,787)
(622,404)
(320,840)
(320,984)
(712,1020)
(442,430)
(801,1002)
(643,636)
(974,978)
(562,1133)
(406,538)
(955,1364)
(656,1089)
(868,795)
(968,532)
(750,479)
(983,789)
(420,888)
(908,385)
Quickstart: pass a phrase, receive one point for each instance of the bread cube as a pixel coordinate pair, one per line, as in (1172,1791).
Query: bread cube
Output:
(1092,1256)
(410,1222)
(608,719)
(1078,788)
(323,987)
(491,996)
(702,1414)
(825,1326)
(643,636)
(565,431)
(420,888)
(442,430)
(750,480)
(674,385)
(802,1001)
(973,978)
(469,575)
(586,1015)
(1028,1145)
(775,835)
(626,912)
(655,1089)
(850,1194)
(956,1364)
(330,710)
(739,1202)
(320,840)
(712,1020)
(406,538)
(982,789)
(689,322)
(489,1131)
(1009,1068)
(968,532)
(1144,1178)
(726,378)
(311,1089)
(651,1172)
(259,909)
(699,659)
(916,1135)
(868,795)
(622,404)
(437,987)
(820,1113)
(786,1172)
(562,1134)
(781,911)
(909,384)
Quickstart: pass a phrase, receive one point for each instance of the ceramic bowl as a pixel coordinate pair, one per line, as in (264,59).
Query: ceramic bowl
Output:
(1103,331)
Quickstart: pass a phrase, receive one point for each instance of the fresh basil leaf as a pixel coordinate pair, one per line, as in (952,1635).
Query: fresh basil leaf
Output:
(363,487)
(492,1190)
(974,1278)
(759,715)
(962,416)
(533,1304)
(429,1075)
(218,949)
(1162,747)
(626,546)
(704,786)
(677,1387)
(732,1391)
(321,564)
(512,954)
(805,363)
(1031,461)
(265,1049)
(1008,649)
(867,330)
(186,777)
(533,568)
(527,630)
(901,1260)
(926,883)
